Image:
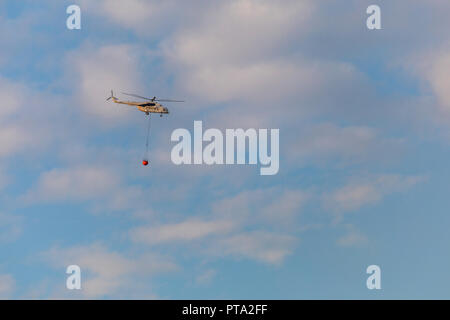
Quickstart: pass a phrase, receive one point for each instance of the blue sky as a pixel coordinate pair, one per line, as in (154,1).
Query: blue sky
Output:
(364,119)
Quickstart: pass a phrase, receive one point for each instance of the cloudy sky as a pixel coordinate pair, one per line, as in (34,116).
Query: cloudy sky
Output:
(364,119)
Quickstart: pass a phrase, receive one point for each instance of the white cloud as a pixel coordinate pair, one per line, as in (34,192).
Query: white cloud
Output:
(247,56)
(180,232)
(275,205)
(327,142)
(24,38)
(78,183)
(357,194)
(13,138)
(102,187)
(17,132)
(224,232)
(237,50)
(107,273)
(10,227)
(266,247)
(255,82)
(353,238)
(99,70)
(272,86)
(7,286)
(10,97)
(240,31)
(435,68)
(4,178)
(145,17)
(206,277)
(285,207)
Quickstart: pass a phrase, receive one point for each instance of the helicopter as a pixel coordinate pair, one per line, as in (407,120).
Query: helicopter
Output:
(152,105)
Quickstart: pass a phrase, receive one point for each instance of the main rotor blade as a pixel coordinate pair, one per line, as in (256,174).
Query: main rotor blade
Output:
(136,96)
(168,100)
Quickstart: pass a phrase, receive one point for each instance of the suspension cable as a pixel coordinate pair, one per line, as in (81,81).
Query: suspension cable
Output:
(147,140)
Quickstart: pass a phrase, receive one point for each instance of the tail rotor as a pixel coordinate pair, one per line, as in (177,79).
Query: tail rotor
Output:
(111,97)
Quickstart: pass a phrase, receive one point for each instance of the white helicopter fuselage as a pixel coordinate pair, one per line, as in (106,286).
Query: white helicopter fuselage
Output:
(147,107)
